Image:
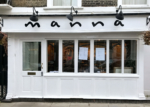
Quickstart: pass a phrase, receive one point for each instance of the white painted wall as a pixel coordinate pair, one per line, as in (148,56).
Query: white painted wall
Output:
(147,69)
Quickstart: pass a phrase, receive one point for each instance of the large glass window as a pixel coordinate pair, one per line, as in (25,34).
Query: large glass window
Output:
(130,56)
(100,56)
(68,55)
(65,2)
(115,54)
(134,2)
(53,56)
(31,56)
(84,56)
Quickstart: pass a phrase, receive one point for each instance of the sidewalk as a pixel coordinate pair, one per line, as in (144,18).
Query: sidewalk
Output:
(47,104)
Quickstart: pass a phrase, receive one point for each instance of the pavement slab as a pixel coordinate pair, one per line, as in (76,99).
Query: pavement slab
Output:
(42,104)
(99,105)
(60,105)
(70,104)
(7,104)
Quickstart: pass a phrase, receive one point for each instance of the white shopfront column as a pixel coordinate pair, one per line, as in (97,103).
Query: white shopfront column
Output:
(141,69)
(11,67)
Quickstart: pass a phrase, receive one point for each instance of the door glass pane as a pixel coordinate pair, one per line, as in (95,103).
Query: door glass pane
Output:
(65,2)
(99,56)
(68,55)
(84,56)
(130,56)
(31,56)
(134,2)
(115,56)
(53,55)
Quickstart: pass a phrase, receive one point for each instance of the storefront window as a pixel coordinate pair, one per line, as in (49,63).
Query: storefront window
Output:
(53,55)
(31,56)
(130,56)
(100,56)
(115,56)
(68,55)
(84,56)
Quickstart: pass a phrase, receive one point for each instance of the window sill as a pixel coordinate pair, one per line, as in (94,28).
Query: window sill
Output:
(135,7)
(5,7)
(62,8)
(91,75)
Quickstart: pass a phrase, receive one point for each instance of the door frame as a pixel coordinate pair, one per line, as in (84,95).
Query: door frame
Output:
(20,67)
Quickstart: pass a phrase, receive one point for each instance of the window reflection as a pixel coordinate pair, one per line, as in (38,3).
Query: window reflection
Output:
(31,56)
(130,56)
(115,56)
(68,56)
(84,56)
(53,56)
(99,56)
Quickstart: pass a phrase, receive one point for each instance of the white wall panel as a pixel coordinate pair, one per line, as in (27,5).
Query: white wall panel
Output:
(130,88)
(37,87)
(101,88)
(52,87)
(85,87)
(67,87)
(116,87)
(26,84)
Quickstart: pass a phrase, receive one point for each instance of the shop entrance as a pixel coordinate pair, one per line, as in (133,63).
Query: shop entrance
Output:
(32,69)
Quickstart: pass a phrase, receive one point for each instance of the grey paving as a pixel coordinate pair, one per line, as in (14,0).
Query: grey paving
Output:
(70,104)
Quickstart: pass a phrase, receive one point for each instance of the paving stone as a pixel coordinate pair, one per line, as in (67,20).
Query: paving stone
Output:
(79,105)
(99,105)
(117,105)
(146,105)
(7,104)
(24,104)
(134,105)
(60,105)
(43,104)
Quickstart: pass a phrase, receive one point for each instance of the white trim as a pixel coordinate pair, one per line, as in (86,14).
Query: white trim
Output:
(98,31)
(76,56)
(5,7)
(89,75)
(60,55)
(62,8)
(122,59)
(107,56)
(135,7)
(92,56)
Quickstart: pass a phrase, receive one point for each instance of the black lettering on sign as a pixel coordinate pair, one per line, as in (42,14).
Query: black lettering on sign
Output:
(99,22)
(118,22)
(53,24)
(73,24)
(33,25)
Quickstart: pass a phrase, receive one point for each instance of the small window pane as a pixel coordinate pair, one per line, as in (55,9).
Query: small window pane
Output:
(84,56)
(68,56)
(65,2)
(53,55)
(115,56)
(99,56)
(134,2)
(130,56)
(31,56)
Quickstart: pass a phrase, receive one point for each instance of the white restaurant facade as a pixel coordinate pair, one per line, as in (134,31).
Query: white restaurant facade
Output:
(83,61)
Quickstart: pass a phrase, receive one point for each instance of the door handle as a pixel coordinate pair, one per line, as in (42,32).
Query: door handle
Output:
(42,66)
